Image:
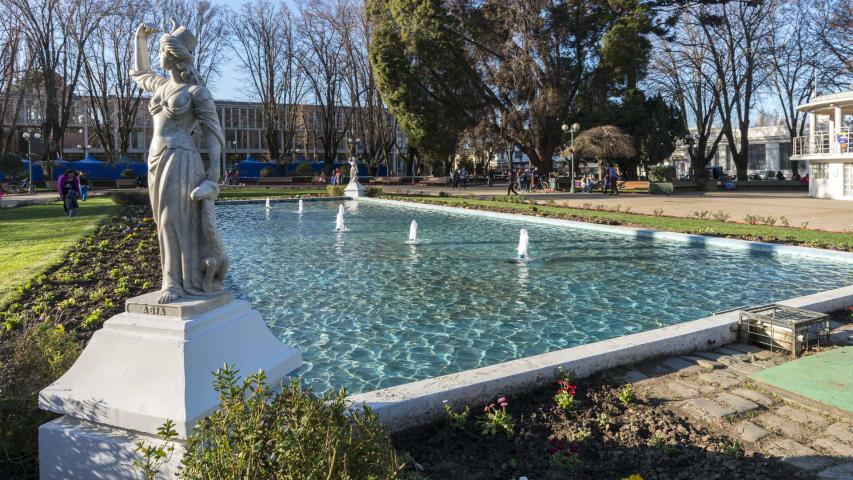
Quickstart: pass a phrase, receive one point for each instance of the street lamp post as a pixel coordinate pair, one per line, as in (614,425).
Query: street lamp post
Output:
(27,135)
(572,130)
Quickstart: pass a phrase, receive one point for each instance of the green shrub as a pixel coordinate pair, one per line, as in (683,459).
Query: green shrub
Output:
(303,170)
(259,433)
(128,173)
(373,191)
(335,190)
(12,164)
(663,188)
(658,173)
(39,353)
(130,197)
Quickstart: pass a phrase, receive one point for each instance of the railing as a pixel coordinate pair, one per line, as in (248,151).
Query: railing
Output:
(824,143)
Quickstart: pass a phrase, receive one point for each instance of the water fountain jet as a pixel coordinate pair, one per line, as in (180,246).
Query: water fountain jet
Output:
(268,203)
(339,221)
(523,243)
(413,233)
(300,207)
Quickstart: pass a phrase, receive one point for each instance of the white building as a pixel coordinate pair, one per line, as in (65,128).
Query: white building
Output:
(828,150)
(769,151)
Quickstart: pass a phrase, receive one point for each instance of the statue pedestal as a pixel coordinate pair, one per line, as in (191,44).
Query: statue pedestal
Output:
(147,365)
(354,190)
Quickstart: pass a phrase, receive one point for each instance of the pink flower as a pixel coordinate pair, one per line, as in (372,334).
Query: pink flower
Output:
(501,399)
(504,404)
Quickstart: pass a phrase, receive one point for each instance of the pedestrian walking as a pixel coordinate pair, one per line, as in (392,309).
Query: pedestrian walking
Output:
(512,179)
(614,180)
(66,183)
(84,186)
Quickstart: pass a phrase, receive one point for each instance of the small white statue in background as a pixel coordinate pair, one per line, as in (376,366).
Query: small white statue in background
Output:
(353,170)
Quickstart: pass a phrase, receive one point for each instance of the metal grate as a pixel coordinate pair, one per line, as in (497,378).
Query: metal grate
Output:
(781,328)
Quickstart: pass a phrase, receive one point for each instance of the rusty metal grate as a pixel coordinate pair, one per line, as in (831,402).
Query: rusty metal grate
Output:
(781,328)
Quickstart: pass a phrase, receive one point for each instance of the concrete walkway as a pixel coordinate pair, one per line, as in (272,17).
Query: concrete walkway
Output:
(797,207)
(713,388)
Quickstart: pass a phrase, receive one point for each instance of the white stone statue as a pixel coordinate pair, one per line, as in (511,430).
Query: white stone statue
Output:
(353,170)
(182,191)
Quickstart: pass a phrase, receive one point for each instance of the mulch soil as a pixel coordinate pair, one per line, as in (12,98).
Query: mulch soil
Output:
(118,261)
(549,443)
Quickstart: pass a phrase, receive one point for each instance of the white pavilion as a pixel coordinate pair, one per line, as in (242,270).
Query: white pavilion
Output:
(828,152)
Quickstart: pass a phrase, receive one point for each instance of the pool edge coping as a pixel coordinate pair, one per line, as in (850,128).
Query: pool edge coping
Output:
(641,233)
(421,402)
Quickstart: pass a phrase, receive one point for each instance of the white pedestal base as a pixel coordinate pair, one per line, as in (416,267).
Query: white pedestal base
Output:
(150,364)
(354,190)
(72,449)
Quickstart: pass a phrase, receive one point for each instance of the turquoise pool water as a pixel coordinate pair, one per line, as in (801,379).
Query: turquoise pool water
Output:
(369,311)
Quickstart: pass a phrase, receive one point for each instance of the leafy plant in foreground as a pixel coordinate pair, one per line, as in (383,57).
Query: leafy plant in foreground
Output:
(259,433)
(627,396)
(497,419)
(458,420)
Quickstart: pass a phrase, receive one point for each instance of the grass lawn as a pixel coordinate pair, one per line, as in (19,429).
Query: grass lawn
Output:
(34,237)
(790,235)
(261,192)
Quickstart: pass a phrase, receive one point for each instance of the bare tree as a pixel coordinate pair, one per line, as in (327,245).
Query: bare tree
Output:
(111,98)
(325,66)
(738,39)
(834,27)
(207,22)
(263,38)
(371,121)
(13,67)
(50,28)
(684,74)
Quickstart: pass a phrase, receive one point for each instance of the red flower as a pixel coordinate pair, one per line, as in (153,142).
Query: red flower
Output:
(573,447)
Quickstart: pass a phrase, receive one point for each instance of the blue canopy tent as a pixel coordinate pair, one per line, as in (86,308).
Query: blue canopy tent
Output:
(38,173)
(251,168)
(96,169)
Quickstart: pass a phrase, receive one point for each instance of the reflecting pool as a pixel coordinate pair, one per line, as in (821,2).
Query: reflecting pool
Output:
(369,311)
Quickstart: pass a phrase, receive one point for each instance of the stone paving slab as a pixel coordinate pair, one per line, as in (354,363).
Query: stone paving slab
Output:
(703,362)
(681,390)
(805,417)
(734,353)
(744,348)
(745,368)
(725,380)
(837,472)
(634,376)
(753,396)
(706,406)
(712,356)
(841,431)
(798,454)
(834,447)
(739,404)
(775,423)
(750,432)
(676,364)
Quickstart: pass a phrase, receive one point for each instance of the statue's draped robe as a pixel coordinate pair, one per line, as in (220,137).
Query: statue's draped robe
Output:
(186,228)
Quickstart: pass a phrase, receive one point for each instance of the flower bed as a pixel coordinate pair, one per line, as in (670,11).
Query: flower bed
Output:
(594,430)
(46,325)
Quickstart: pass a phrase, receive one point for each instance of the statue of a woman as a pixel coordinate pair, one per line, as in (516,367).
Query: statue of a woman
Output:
(182,191)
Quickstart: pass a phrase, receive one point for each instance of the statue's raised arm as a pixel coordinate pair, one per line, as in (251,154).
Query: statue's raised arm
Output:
(142,73)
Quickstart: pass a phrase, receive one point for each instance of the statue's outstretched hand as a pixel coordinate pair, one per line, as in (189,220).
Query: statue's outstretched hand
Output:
(146,29)
(206,190)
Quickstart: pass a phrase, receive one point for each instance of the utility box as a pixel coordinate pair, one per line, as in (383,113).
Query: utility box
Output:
(782,328)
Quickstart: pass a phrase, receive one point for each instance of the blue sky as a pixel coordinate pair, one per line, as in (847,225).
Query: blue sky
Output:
(231,83)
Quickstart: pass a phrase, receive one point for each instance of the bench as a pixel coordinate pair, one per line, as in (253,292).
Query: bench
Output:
(126,183)
(388,180)
(435,181)
(633,185)
(275,180)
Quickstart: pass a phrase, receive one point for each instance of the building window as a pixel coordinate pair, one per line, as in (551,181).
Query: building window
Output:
(756,157)
(819,171)
(785,155)
(848,179)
